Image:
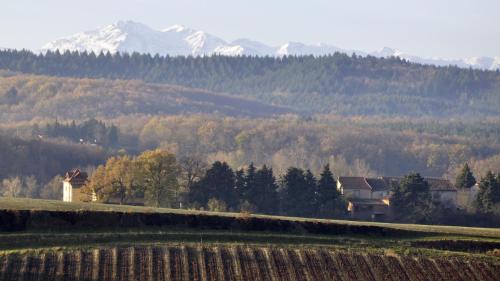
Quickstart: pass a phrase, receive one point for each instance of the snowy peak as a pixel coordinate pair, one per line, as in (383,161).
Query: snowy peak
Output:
(253,48)
(385,52)
(318,49)
(176,28)
(123,36)
(130,36)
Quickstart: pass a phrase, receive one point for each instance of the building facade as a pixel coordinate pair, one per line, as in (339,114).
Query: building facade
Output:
(73,182)
(370,198)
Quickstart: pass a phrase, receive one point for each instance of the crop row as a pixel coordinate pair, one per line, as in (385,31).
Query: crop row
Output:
(236,264)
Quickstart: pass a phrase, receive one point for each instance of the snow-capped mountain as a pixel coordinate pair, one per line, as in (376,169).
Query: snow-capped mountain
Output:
(129,36)
(474,62)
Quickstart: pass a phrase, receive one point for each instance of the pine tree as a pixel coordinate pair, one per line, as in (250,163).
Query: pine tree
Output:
(266,197)
(328,198)
(489,193)
(309,197)
(239,183)
(465,178)
(250,190)
(411,200)
(218,183)
(298,192)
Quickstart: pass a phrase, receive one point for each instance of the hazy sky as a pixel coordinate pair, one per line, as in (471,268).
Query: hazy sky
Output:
(444,28)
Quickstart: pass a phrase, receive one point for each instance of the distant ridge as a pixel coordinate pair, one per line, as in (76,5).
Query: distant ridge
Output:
(178,40)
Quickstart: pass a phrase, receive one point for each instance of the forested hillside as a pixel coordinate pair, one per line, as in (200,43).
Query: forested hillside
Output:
(44,159)
(107,114)
(24,97)
(332,84)
(352,146)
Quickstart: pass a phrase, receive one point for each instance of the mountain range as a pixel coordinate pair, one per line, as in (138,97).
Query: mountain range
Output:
(177,40)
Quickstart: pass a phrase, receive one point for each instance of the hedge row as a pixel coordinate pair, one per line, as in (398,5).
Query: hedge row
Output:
(458,245)
(20,220)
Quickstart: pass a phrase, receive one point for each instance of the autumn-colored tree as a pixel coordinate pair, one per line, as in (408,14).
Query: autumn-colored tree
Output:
(192,169)
(96,184)
(12,187)
(157,172)
(216,205)
(53,189)
(30,189)
(120,179)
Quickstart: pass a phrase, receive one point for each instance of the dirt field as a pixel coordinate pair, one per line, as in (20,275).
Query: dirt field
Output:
(236,263)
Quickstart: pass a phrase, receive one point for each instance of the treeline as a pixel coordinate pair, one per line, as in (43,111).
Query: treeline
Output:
(189,183)
(91,131)
(307,83)
(29,187)
(157,178)
(44,159)
(162,181)
(295,193)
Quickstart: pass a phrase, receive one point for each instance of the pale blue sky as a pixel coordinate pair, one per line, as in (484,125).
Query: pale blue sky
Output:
(444,28)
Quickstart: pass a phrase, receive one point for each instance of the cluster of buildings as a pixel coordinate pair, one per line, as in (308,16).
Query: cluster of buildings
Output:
(368,198)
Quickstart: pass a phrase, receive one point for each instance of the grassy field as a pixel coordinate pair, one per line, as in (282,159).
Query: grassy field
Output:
(48,226)
(53,205)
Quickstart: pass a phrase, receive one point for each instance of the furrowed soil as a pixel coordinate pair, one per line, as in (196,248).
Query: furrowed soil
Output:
(236,263)
(52,240)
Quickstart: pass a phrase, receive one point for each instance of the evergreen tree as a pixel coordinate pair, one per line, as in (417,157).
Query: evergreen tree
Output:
(218,184)
(298,194)
(250,188)
(489,193)
(310,196)
(465,178)
(328,198)
(239,183)
(411,201)
(265,197)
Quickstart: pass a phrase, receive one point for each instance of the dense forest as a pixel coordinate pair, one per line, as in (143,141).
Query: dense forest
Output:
(25,97)
(91,131)
(338,83)
(44,159)
(357,146)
